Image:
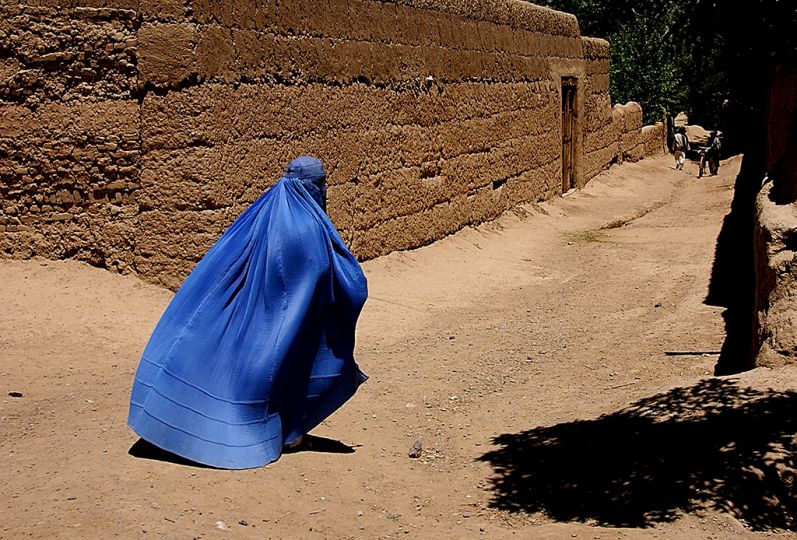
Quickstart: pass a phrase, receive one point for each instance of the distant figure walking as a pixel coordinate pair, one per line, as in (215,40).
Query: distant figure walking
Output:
(713,153)
(680,146)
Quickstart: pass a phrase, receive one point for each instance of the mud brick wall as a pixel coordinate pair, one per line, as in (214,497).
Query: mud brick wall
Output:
(654,140)
(775,221)
(429,117)
(133,132)
(601,130)
(69,132)
(612,134)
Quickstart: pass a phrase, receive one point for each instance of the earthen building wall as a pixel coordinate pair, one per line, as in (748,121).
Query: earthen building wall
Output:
(775,242)
(612,134)
(132,132)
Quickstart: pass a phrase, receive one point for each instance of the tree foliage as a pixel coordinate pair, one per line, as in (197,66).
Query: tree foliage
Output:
(704,57)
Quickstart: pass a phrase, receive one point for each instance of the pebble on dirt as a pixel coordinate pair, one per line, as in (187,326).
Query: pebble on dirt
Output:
(15,394)
(415,449)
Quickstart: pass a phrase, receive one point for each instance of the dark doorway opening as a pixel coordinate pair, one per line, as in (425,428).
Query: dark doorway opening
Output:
(569,86)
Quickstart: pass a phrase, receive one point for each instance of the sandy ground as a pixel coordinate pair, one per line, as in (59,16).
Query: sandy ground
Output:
(529,356)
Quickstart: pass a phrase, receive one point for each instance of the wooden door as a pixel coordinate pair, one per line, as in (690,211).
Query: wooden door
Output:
(569,86)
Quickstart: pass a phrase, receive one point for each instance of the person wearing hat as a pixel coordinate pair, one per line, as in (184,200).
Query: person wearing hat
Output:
(256,347)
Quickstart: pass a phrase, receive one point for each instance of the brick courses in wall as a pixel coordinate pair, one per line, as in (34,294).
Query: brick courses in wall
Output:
(132,133)
(69,133)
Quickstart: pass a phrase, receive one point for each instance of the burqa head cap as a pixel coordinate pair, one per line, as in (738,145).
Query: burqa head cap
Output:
(310,172)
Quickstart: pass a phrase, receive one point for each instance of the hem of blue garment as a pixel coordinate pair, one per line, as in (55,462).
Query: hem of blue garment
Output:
(339,394)
(150,425)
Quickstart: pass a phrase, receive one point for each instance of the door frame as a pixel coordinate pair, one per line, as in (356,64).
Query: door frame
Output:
(569,97)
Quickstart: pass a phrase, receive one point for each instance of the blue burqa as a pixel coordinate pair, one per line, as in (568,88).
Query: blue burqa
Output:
(256,347)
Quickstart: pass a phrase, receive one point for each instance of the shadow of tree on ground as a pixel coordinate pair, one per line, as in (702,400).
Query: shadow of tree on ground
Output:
(713,445)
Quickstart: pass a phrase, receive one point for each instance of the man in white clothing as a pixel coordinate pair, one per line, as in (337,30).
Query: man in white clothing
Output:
(680,146)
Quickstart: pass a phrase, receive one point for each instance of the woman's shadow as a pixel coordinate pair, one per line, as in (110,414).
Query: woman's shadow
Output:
(310,443)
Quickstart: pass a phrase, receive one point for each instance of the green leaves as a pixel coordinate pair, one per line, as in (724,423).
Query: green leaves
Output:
(645,63)
(689,55)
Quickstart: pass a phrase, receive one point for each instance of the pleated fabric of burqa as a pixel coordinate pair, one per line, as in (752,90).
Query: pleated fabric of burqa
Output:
(256,347)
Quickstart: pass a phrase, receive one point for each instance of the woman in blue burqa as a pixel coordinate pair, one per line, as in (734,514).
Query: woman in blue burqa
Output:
(256,347)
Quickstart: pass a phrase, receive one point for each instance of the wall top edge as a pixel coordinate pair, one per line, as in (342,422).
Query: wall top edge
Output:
(517,14)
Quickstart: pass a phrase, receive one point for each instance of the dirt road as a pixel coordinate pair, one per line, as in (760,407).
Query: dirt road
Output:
(529,356)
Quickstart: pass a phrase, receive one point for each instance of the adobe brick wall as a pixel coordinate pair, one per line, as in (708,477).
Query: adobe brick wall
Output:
(775,230)
(69,133)
(132,132)
(612,134)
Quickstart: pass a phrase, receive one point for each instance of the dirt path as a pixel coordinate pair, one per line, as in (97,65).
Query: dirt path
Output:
(529,356)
